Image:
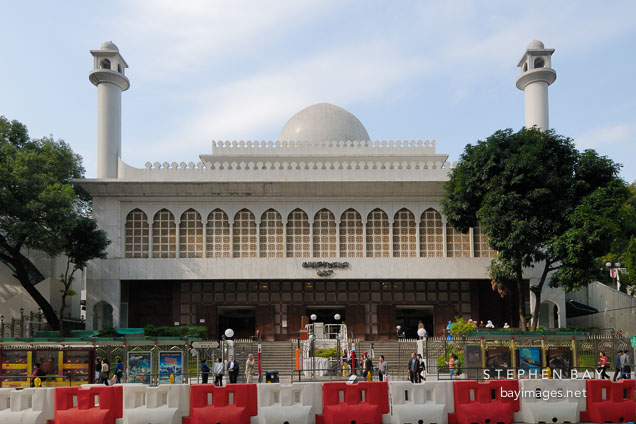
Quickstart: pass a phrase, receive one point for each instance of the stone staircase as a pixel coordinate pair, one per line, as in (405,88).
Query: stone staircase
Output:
(278,356)
(396,354)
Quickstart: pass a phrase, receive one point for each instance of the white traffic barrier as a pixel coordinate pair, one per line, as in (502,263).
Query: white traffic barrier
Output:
(27,406)
(296,403)
(428,402)
(550,401)
(164,404)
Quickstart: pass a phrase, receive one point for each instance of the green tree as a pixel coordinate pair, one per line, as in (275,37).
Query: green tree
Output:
(41,209)
(541,203)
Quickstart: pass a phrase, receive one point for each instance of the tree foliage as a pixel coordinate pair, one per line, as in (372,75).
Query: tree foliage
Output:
(41,208)
(541,203)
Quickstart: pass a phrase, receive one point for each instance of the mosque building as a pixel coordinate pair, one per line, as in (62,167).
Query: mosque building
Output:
(260,235)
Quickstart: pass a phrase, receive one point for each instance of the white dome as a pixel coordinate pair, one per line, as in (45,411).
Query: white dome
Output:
(323,122)
(109,45)
(536,45)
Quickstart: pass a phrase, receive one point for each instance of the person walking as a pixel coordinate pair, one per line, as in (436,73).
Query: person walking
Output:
(105,371)
(367,367)
(421,368)
(37,373)
(218,372)
(205,371)
(413,368)
(249,368)
(233,369)
(383,369)
(118,372)
(451,364)
(98,370)
(603,364)
(617,364)
(626,370)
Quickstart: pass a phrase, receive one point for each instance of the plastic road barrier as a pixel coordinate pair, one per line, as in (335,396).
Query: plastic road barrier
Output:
(364,403)
(296,403)
(27,406)
(483,403)
(610,402)
(165,404)
(428,402)
(233,404)
(90,405)
(550,401)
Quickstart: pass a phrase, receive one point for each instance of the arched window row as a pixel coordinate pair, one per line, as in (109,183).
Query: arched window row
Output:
(215,236)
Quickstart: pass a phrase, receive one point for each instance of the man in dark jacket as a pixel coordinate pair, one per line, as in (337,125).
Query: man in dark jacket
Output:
(205,372)
(413,366)
(367,367)
(617,365)
(232,369)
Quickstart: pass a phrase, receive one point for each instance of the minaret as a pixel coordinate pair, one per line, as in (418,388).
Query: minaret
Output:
(536,75)
(108,76)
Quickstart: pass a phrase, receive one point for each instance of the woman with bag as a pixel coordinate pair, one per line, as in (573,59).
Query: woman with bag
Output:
(105,371)
(383,368)
(218,372)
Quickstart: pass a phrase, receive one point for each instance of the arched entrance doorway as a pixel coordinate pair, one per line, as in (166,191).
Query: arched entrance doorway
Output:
(102,315)
(549,316)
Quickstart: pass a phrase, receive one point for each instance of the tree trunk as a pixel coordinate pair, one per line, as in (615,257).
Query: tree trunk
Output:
(537,296)
(23,270)
(521,299)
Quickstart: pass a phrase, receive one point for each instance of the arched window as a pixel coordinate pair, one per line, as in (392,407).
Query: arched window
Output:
(431,235)
(480,243)
(164,235)
(119,68)
(244,234)
(378,243)
(217,235)
(325,245)
(404,236)
(351,237)
(104,64)
(137,234)
(102,315)
(271,235)
(539,63)
(457,244)
(191,235)
(525,67)
(298,237)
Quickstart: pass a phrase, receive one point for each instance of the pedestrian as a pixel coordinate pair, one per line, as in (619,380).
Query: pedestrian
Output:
(448,330)
(218,372)
(233,369)
(421,368)
(617,364)
(481,324)
(105,371)
(367,367)
(451,364)
(37,372)
(205,371)
(506,325)
(249,368)
(626,370)
(383,368)
(98,370)
(490,324)
(118,372)
(413,364)
(603,364)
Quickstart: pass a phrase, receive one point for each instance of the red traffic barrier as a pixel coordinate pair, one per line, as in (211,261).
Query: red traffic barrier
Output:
(489,402)
(233,404)
(92,405)
(363,403)
(609,402)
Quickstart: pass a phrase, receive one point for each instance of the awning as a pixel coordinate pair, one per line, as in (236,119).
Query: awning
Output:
(575,309)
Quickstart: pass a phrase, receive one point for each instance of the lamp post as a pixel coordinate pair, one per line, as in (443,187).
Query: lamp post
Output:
(397,331)
(613,272)
(313,361)
(336,318)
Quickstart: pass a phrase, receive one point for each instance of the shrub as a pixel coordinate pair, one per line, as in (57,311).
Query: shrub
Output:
(326,353)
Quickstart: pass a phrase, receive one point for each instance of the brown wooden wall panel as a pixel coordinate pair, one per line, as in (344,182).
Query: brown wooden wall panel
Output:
(355,321)
(386,322)
(294,318)
(443,314)
(265,321)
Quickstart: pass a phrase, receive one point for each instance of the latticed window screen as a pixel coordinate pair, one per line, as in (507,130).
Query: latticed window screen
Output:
(404,236)
(298,237)
(191,235)
(480,242)
(457,244)
(217,235)
(431,235)
(325,243)
(137,237)
(378,239)
(164,235)
(244,234)
(271,235)
(351,237)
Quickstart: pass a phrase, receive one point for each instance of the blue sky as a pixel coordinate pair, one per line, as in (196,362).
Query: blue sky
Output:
(208,70)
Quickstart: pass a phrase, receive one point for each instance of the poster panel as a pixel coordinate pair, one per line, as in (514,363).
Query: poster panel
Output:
(530,359)
(170,363)
(139,367)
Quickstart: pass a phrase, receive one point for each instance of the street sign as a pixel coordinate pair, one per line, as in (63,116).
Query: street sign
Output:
(633,341)
(205,345)
(613,272)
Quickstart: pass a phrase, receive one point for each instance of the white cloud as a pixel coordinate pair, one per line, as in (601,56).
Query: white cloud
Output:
(605,136)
